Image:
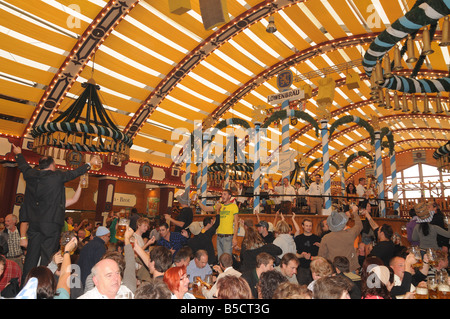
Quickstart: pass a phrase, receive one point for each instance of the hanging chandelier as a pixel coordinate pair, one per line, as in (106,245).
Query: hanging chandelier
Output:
(83,127)
(386,75)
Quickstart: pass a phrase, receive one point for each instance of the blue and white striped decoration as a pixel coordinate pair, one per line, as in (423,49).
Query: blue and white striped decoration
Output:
(285,133)
(379,174)
(204,183)
(426,13)
(341,170)
(229,158)
(187,176)
(257,171)
(326,167)
(394,181)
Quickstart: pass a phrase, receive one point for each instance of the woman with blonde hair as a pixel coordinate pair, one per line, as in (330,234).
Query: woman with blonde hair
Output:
(320,268)
(284,239)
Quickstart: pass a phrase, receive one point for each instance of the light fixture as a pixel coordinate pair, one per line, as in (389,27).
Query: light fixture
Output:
(438,104)
(84,127)
(379,79)
(381,101)
(426,106)
(415,108)
(397,106)
(387,104)
(405,107)
(426,50)
(387,67)
(271,28)
(445,41)
(397,59)
(411,53)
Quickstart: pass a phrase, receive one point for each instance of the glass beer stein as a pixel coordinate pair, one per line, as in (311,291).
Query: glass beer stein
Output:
(84,180)
(432,287)
(404,231)
(122,228)
(97,165)
(421,293)
(432,258)
(419,262)
(443,291)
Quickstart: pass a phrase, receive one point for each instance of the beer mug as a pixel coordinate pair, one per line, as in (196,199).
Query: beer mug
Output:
(442,277)
(84,180)
(432,258)
(66,237)
(97,165)
(416,251)
(404,231)
(209,281)
(421,293)
(443,291)
(362,214)
(432,287)
(122,228)
(196,283)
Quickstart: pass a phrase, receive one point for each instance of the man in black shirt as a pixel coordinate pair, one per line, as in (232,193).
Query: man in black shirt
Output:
(385,247)
(263,230)
(186,215)
(264,262)
(307,245)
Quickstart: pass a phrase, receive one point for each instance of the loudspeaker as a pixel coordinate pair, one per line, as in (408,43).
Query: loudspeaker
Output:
(179,6)
(214,13)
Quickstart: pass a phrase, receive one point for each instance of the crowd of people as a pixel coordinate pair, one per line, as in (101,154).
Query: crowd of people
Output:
(346,258)
(283,259)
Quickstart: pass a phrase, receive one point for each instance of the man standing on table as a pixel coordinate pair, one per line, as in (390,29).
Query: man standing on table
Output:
(228,227)
(43,208)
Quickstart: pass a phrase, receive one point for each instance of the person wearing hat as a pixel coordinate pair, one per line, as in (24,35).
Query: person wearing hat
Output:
(92,252)
(425,232)
(263,230)
(339,242)
(186,215)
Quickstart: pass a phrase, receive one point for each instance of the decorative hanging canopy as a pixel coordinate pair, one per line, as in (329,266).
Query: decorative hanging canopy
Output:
(98,133)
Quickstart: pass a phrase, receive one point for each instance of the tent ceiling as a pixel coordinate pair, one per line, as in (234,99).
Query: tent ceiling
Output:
(160,71)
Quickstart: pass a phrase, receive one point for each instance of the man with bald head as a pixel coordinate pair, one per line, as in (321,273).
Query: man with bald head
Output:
(108,282)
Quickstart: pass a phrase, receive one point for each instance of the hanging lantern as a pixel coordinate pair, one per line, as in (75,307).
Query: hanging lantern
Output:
(379,79)
(387,67)
(387,104)
(373,85)
(426,50)
(397,106)
(426,105)
(411,52)
(397,59)
(439,108)
(381,101)
(445,41)
(405,107)
(415,108)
